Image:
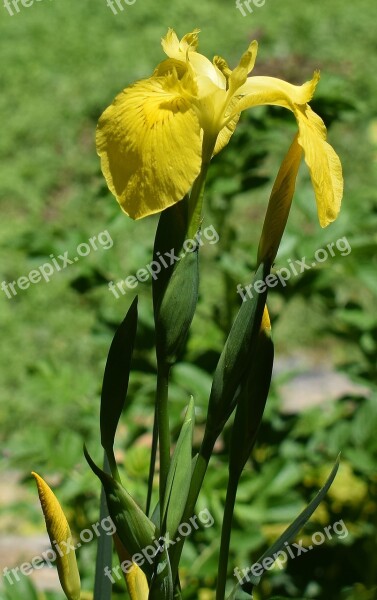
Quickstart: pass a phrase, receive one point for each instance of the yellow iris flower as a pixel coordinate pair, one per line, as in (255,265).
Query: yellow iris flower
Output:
(158,133)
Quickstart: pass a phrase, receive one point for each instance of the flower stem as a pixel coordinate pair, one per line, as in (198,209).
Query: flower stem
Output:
(197,192)
(225,536)
(152,464)
(163,371)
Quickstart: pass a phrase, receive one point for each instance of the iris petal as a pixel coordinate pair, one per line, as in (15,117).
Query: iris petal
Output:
(149,141)
(323,162)
(270,90)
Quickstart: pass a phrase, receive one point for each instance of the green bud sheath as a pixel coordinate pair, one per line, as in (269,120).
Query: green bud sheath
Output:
(133,527)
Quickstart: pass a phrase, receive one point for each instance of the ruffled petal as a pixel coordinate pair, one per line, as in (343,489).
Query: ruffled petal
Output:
(149,141)
(177,49)
(324,165)
(185,51)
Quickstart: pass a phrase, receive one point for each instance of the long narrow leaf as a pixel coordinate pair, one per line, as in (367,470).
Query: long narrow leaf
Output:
(115,380)
(102,585)
(235,359)
(288,535)
(179,476)
(162,583)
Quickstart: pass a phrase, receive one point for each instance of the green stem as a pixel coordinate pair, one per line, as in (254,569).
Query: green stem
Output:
(197,192)
(152,464)
(163,371)
(226,530)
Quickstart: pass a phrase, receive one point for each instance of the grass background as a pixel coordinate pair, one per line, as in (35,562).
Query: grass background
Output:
(62,63)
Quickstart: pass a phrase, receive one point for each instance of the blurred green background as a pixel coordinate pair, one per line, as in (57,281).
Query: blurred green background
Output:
(62,63)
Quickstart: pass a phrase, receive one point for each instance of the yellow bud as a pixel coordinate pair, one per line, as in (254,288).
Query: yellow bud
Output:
(61,540)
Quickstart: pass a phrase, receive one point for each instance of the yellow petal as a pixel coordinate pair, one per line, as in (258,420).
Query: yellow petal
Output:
(190,41)
(279,204)
(223,66)
(258,91)
(149,141)
(136,580)
(323,162)
(205,70)
(137,583)
(225,134)
(177,49)
(185,50)
(61,540)
(170,44)
(239,75)
(227,131)
(266,323)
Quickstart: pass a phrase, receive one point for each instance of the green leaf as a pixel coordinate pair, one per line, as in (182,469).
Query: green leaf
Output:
(179,476)
(234,360)
(102,585)
(252,580)
(161,587)
(133,527)
(178,307)
(251,404)
(115,381)
(176,282)
(25,589)
(170,235)
(239,594)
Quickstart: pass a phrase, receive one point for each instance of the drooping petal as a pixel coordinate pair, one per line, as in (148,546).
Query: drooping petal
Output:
(324,165)
(61,540)
(149,141)
(258,91)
